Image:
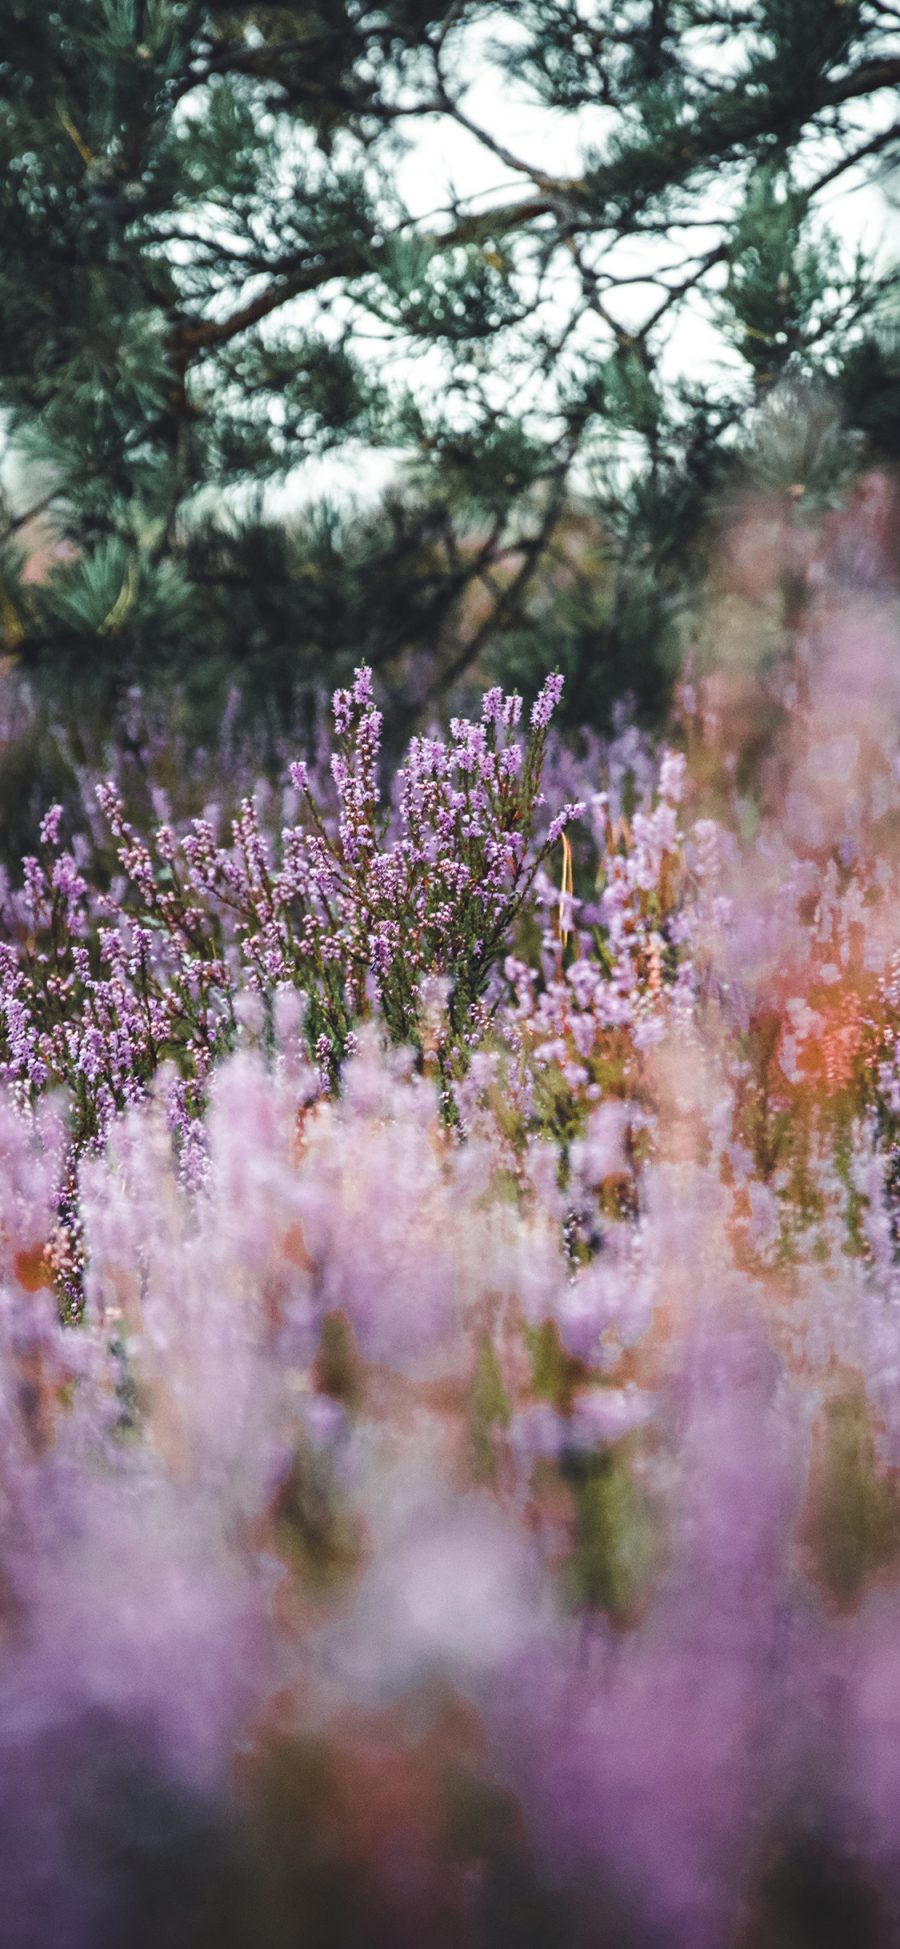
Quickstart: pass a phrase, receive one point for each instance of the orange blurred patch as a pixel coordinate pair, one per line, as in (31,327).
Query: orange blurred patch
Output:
(33,1270)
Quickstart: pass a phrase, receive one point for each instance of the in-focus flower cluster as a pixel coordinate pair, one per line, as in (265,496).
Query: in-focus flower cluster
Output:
(358,913)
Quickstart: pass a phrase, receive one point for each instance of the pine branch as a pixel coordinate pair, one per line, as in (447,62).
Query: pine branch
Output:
(205,335)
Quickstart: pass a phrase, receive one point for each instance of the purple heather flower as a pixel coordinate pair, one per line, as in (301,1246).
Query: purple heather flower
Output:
(49,828)
(564,818)
(546,701)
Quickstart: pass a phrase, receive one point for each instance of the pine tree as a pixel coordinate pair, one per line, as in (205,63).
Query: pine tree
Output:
(208,273)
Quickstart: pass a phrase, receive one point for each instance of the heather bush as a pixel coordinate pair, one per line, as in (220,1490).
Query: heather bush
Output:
(449,1433)
(354,914)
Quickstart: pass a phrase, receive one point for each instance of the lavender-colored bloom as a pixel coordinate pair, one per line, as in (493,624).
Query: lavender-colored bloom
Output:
(546,702)
(562,819)
(50,824)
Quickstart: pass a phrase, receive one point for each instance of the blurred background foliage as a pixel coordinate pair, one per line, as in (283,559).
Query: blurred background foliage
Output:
(215,271)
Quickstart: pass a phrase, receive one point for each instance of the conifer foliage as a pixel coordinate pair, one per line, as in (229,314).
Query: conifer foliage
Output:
(213,267)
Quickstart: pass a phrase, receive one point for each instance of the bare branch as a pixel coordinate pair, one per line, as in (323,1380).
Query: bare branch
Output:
(867,79)
(873,147)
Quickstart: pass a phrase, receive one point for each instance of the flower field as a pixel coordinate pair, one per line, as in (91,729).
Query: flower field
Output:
(450,1319)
